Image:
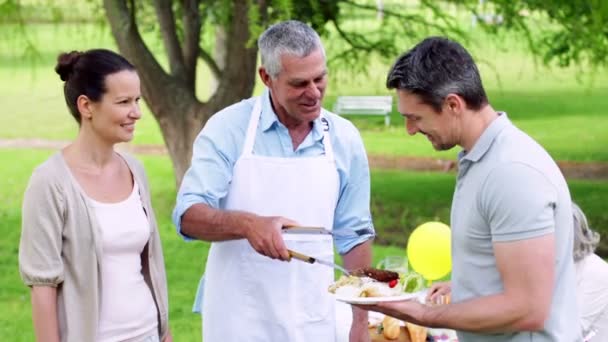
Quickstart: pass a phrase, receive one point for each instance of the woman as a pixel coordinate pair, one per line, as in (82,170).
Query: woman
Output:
(591,280)
(90,248)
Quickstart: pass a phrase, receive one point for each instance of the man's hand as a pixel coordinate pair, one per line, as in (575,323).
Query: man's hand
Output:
(264,235)
(439,293)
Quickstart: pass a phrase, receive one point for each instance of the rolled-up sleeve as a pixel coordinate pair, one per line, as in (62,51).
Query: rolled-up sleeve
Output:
(208,178)
(40,262)
(353,208)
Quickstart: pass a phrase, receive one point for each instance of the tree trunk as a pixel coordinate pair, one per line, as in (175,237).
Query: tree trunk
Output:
(171,97)
(219,54)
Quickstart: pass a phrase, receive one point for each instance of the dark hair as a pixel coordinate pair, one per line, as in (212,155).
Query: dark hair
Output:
(435,68)
(84,73)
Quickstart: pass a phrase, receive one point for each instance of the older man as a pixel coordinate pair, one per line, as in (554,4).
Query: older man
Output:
(513,275)
(266,163)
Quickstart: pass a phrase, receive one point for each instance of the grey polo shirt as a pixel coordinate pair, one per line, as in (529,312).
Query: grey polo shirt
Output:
(510,189)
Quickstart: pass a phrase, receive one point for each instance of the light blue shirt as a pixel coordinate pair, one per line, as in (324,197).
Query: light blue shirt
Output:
(220,144)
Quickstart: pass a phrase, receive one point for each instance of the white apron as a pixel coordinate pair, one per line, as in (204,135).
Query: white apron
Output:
(250,297)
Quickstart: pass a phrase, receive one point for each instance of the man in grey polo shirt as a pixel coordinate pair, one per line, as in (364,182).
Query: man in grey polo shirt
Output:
(513,275)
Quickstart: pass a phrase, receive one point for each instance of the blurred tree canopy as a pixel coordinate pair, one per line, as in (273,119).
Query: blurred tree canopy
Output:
(562,31)
(222,34)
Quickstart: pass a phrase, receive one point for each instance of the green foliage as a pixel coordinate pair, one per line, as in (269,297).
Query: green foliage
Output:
(572,31)
(314,12)
(563,32)
(9,9)
(547,103)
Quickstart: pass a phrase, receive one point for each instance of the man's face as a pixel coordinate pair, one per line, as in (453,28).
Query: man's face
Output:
(439,128)
(298,90)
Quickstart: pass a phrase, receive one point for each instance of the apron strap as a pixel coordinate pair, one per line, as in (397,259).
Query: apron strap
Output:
(253,125)
(252,128)
(329,151)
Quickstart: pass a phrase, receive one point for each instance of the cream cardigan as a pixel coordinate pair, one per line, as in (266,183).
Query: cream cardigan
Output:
(61,247)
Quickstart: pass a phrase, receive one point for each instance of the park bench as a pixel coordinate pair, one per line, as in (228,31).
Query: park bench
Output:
(365,105)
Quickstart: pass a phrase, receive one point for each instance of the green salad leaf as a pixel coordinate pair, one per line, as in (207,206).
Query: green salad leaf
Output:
(411,282)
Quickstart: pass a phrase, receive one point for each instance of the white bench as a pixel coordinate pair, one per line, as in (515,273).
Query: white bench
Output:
(365,105)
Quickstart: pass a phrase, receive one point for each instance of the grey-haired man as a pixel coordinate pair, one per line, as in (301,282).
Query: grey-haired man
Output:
(266,163)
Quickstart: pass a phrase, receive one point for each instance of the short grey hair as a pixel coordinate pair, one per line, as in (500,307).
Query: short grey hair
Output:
(288,37)
(585,239)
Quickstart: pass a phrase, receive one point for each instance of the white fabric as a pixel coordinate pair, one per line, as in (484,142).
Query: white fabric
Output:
(127,309)
(249,297)
(592,296)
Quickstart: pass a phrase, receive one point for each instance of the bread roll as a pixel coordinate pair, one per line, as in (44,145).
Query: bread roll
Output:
(417,332)
(391,328)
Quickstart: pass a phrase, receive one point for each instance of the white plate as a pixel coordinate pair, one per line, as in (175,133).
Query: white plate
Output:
(420,295)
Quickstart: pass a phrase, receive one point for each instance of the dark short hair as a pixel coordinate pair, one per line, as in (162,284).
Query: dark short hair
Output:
(84,73)
(435,68)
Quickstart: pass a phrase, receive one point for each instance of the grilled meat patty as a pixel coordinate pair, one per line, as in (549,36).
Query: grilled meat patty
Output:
(374,273)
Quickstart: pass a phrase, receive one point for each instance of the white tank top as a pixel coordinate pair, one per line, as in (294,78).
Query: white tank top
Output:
(127,307)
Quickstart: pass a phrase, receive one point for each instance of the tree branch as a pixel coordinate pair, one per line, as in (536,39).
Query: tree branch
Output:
(206,57)
(192,32)
(166,19)
(132,7)
(132,46)
(361,42)
(238,76)
(409,18)
(450,25)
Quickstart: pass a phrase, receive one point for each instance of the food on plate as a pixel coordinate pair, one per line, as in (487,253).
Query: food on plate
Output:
(412,282)
(417,333)
(353,287)
(372,282)
(376,274)
(391,328)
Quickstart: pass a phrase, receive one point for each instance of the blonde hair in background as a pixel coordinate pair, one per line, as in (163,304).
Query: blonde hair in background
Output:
(585,239)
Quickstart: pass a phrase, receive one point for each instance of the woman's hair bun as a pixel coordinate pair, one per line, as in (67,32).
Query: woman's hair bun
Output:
(65,64)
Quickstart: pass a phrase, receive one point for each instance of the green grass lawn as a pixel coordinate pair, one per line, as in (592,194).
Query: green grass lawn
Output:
(400,202)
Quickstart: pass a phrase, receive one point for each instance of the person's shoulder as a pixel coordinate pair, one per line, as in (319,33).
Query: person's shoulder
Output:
(49,175)
(129,158)
(516,171)
(53,168)
(134,164)
(598,263)
(517,145)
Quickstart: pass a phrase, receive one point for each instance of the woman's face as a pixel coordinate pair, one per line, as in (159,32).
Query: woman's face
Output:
(113,117)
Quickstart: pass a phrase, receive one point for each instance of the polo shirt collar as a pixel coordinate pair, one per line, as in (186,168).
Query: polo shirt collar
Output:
(269,118)
(486,139)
